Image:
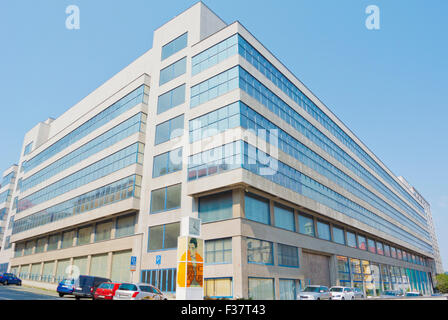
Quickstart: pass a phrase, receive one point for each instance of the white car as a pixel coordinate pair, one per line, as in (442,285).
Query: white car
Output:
(314,293)
(139,291)
(342,293)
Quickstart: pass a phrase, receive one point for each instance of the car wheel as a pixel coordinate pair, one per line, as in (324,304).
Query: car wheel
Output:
(353,298)
(6,283)
(61,294)
(343,298)
(77,298)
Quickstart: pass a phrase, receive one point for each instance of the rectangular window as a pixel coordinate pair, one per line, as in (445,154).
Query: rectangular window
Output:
(288,256)
(379,248)
(399,255)
(125,226)
(338,235)
(164,279)
(216,207)
(174,46)
(393,252)
(261,289)
(259,251)
(386,250)
(256,208)
(40,247)
(171,99)
(173,71)
(53,242)
(170,129)
(218,288)
(284,217)
(67,239)
(362,242)
(27,148)
(167,163)
(84,235)
(288,289)
(371,244)
(306,225)
(103,231)
(323,230)
(163,237)
(218,251)
(343,271)
(167,198)
(29,248)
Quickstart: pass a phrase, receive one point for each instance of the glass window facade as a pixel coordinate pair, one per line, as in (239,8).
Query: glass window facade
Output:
(362,244)
(125,226)
(218,251)
(175,46)
(163,237)
(261,289)
(216,207)
(165,199)
(218,288)
(338,235)
(371,245)
(284,217)
(119,160)
(259,251)
(164,279)
(323,230)
(306,225)
(173,71)
(116,191)
(170,129)
(136,123)
(103,231)
(288,256)
(139,95)
(171,99)
(167,163)
(256,208)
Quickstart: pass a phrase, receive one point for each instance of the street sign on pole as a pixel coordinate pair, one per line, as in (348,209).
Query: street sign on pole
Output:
(158,262)
(133,263)
(158,259)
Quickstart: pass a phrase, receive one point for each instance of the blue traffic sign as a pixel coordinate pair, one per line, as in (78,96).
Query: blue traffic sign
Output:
(133,260)
(158,259)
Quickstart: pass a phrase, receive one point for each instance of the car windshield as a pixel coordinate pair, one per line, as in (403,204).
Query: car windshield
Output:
(8,275)
(311,289)
(336,289)
(128,287)
(67,281)
(106,286)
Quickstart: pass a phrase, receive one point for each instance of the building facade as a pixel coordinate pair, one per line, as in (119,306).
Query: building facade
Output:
(208,123)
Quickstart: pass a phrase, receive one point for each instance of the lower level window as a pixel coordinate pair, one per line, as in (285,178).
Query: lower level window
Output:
(261,289)
(288,289)
(218,288)
(164,279)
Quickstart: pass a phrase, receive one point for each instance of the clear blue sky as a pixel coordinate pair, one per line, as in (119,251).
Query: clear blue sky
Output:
(389,86)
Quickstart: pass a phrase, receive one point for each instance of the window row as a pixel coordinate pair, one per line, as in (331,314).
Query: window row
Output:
(116,191)
(119,160)
(173,71)
(125,129)
(139,95)
(7,179)
(123,226)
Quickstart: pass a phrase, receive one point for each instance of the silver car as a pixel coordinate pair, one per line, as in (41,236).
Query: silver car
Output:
(138,291)
(358,293)
(315,293)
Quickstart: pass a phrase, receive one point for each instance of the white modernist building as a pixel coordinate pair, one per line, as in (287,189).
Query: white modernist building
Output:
(208,123)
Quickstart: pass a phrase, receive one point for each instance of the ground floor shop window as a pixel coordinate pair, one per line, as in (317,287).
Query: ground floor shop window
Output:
(218,288)
(288,289)
(164,279)
(261,289)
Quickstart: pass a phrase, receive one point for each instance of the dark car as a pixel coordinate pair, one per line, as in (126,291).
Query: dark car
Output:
(65,287)
(10,278)
(85,286)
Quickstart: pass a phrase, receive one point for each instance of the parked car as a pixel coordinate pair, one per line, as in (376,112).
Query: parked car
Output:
(413,294)
(314,292)
(106,291)
(10,278)
(391,294)
(342,293)
(139,291)
(65,287)
(85,286)
(358,293)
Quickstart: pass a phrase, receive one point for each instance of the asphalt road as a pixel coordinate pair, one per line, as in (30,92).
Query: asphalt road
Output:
(13,292)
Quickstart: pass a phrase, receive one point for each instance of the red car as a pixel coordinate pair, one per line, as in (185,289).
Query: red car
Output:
(106,291)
